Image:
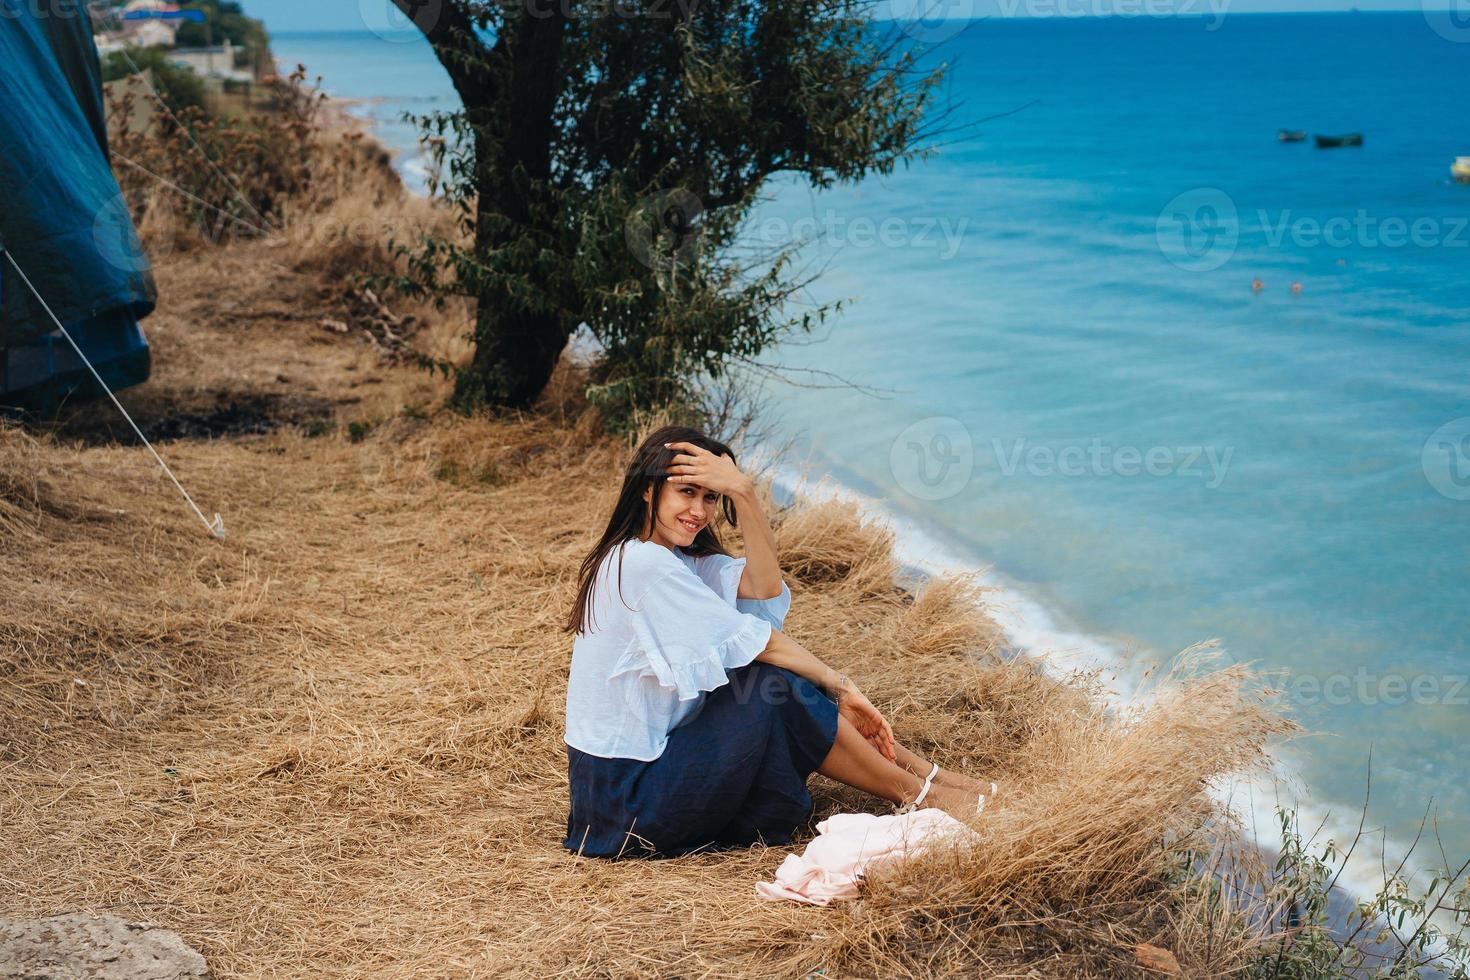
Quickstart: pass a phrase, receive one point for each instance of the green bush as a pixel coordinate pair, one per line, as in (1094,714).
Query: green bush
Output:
(223,21)
(179,87)
(1406,930)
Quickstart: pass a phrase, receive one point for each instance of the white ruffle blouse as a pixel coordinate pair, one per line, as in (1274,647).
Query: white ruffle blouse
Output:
(649,656)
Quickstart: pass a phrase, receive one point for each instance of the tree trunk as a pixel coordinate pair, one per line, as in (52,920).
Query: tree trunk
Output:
(514,358)
(515,349)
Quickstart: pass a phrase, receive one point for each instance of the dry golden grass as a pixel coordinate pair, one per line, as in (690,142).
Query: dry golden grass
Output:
(331,745)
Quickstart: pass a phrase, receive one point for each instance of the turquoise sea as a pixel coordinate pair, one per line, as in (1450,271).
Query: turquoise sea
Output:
(1066,373)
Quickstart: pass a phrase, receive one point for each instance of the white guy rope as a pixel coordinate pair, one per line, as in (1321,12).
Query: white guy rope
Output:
(215,527)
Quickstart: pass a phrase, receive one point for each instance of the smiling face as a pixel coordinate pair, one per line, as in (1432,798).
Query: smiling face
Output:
(683,511)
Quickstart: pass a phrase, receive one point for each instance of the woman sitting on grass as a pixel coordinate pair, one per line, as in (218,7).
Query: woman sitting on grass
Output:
(693,722)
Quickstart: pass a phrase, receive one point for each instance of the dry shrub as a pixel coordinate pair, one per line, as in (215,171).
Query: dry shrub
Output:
(829,542)
(226,176)
(289,173)
(348,236)
(332,743)
(79,643)
(356,207)
(477,453)
(22,492)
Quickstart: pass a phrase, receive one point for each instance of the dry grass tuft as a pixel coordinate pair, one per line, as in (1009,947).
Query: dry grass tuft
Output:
(1066,871)
(345,234)
(24,494)
(829,542)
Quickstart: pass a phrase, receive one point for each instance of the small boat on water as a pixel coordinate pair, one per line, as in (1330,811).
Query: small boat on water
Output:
(1327,142)
(1460,169)
(1291,135)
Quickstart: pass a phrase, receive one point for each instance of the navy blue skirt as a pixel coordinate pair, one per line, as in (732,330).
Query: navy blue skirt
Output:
(733,774)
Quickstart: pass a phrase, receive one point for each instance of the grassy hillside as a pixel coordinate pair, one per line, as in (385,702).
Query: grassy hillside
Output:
(331,744)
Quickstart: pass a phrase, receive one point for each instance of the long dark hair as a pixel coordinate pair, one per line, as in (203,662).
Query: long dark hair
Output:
(649,466)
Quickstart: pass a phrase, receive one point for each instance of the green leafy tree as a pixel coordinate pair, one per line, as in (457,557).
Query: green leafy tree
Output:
(223,20)
(606,156)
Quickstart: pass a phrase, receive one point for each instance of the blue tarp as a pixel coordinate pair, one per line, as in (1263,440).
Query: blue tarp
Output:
(62,214)
(197,16)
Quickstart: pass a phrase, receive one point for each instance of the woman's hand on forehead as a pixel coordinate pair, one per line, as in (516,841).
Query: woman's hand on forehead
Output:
(697,465)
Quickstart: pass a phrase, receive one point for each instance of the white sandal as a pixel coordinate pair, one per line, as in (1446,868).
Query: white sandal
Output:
(913,804)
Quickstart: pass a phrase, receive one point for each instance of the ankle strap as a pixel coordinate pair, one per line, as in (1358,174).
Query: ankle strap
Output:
(913,804)
(928,781)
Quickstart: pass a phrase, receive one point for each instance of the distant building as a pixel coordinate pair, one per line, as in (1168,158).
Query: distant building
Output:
(151,33)
(216,62)
(143,33)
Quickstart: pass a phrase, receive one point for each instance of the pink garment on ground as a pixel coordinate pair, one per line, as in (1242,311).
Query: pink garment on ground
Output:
(832,865)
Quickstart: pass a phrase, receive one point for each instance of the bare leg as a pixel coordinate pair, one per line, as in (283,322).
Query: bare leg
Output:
(920,766)
(853,760)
